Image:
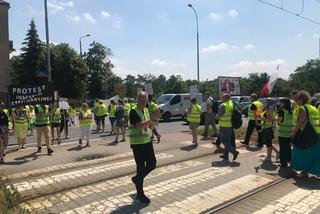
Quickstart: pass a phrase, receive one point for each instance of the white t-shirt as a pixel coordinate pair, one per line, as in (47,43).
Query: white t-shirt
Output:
(208,103)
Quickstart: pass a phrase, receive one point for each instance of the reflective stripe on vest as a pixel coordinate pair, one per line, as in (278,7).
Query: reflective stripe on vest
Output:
(258,105)
(86,121)
(21,116)
(136,135)
(313,117)
(225,120)
(42,117)
(112,110)
(56,117)
(101,110)
(266,124)
(286,128)
(195,115)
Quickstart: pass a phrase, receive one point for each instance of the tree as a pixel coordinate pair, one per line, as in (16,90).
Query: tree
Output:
(69,72)
(130,82)
(307,77)
(31,60)
(175,84)
(101,78)
(254,83)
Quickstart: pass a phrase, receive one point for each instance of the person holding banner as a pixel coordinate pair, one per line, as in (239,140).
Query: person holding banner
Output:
(86,122)
(55,120)
(4,132)
(20,117)
(42,124)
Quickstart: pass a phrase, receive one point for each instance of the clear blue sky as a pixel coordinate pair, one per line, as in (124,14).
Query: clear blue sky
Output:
(159,37)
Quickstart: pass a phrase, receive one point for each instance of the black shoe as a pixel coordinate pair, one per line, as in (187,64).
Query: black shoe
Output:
(258,145)
(1,161)
(50,151)
(143,199)
(224,157)
(244,143)
(235,156)
(80,142)
(39,149)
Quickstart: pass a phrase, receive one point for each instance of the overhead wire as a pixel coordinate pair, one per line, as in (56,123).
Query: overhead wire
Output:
(290,12)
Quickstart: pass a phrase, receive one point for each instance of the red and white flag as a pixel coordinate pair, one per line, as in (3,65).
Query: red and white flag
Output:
(268,87)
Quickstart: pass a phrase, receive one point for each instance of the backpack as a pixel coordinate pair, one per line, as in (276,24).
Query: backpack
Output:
(215,106)
(236,118)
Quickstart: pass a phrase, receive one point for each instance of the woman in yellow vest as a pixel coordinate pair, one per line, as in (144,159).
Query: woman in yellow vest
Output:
(286,124)
(194,115)
(86,122)
(111,111)
(72,112)
(20,117)
(267,117)
(306,160)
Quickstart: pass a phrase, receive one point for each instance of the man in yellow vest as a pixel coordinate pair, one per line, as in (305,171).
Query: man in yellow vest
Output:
(141,145)
(127,109)
(111,111)
(254,115)
(42,126)
(225,124)
(85,122)
(55,120)
(100,112)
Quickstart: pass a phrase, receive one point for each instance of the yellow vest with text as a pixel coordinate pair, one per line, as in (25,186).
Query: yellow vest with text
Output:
(258,105)
(136,135)
(195,115)
(86,121)
(42,117)
(286,128)
(225,119)
(101,110)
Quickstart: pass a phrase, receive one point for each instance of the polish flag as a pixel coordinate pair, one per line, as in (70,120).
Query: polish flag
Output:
(268,87)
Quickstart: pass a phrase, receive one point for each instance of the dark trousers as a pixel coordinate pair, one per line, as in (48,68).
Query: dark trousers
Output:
(62,126)
(233,140)
(145,161)
(251,126)
(285,150)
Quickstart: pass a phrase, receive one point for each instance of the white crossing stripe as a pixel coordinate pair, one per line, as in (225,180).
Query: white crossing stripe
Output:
(153,191)
(82,192)
(299,201)
(66,166)
(207,199)
(38,183)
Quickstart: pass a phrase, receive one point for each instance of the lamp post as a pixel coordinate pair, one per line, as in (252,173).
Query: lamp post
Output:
(81,43)
(47,40)
(195,12)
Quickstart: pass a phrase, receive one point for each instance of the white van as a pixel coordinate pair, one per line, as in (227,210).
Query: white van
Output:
(175,105)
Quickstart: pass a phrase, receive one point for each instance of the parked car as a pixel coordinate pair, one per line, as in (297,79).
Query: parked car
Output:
(240,99)
(175,105)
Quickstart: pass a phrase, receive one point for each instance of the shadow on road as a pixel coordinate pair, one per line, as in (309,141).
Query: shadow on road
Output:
(224,163)
(188,148)
(32,156)
(311,183)
(76,148)
(130,208)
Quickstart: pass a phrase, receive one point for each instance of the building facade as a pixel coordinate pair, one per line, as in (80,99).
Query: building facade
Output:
(5,76)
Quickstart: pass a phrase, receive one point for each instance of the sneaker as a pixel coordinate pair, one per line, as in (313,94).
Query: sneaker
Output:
(39,149)
(50,151)
(80,142)
(88,144)
(1,161)
(23,147)
(235,156)
(142,199)
(123,140)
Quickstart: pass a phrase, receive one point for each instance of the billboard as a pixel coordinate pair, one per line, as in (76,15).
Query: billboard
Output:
(229,85)
(31,95)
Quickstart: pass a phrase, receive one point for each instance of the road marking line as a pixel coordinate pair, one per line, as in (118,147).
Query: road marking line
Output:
(40,182)
(153,191)
(207,199)
(299,201)
(66,166)
(81,192)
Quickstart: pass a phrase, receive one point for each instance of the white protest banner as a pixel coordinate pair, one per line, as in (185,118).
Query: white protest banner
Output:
(148,88)
(63,105)
(229,85)
(193,90)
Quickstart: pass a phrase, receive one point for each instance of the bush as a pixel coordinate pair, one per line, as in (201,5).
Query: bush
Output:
(9,199)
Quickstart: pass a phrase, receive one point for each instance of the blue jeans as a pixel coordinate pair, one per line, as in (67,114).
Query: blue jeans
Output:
(225,137)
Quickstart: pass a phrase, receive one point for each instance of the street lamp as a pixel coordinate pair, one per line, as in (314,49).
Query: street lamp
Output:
(195,12)
(81,44)
(47,40)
